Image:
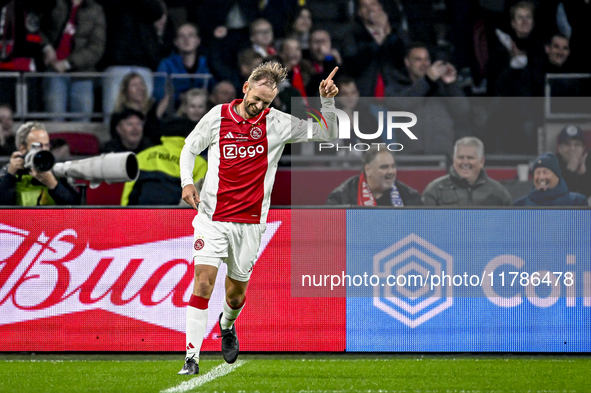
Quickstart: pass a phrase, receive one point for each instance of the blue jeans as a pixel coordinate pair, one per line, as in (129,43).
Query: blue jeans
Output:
(63,93)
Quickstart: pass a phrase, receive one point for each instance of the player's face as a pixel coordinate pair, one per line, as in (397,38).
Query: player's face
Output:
(467,163)
(381,172)
(257,98)
(544,179)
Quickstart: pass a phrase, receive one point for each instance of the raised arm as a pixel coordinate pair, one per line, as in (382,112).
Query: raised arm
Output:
(320,132)
(328,90)
(327,87)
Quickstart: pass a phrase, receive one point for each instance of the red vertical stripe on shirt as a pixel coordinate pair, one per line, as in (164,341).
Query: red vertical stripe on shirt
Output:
(242,169)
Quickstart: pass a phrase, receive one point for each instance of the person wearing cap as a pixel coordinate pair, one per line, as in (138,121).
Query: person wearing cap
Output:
(127,133)
(549,187)
(574,161)
(467,184)
(159,182)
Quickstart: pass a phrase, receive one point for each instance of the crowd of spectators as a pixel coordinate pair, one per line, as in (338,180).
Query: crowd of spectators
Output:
(445,50)
(501,40)
(467,183)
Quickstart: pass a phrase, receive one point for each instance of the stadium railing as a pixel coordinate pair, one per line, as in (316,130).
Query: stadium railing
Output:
(437,161)
(27,100)
(551,112)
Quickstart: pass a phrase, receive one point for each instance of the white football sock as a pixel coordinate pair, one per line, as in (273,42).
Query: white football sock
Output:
(196,323)
(230,315)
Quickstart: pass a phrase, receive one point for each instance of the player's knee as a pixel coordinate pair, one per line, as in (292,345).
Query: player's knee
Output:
(203,289)
(236,301)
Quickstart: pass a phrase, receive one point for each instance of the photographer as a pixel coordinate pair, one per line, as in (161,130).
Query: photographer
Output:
(28,186)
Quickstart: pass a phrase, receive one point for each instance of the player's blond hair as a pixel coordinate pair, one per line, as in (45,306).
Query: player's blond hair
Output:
(270,73)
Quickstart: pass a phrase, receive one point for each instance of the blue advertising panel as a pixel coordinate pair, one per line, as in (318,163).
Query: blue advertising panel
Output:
(468,280)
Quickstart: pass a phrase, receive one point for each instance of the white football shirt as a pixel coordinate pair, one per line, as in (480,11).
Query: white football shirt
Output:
(242,158)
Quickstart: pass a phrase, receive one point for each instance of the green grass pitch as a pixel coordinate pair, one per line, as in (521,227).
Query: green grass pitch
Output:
(412,373)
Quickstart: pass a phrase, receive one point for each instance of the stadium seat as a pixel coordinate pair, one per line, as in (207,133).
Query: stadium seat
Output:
(105,195)
(81,143)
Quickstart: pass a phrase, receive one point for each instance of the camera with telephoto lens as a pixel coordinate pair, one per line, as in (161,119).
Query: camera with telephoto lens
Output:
(36,157)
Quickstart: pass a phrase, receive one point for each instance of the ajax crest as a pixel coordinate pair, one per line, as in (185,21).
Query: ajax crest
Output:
(256,133)
(199,244)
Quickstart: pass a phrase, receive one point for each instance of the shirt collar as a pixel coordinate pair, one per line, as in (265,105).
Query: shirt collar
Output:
(239,119)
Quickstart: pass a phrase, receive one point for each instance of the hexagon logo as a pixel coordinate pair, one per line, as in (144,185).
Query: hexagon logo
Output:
(412,306)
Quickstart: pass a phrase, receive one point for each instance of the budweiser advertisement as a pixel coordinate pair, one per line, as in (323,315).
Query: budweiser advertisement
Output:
(120,279)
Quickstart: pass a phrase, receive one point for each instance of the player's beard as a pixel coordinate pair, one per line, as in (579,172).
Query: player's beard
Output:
(250,111)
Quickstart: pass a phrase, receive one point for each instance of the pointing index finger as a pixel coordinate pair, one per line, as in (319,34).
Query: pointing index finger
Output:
(332,74)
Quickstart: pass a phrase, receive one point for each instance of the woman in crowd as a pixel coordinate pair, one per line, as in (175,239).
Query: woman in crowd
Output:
(133,94)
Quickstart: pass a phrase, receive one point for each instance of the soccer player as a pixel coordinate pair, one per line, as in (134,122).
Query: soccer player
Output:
(245,140)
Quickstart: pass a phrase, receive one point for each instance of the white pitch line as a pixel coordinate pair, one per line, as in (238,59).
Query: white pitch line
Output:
(219,371)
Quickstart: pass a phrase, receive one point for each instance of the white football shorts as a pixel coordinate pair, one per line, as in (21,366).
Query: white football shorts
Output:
(235,244)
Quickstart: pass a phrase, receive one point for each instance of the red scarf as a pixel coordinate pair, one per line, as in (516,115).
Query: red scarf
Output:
(364,195)
(380,89)
(298,80)
(8,22)
(65,45)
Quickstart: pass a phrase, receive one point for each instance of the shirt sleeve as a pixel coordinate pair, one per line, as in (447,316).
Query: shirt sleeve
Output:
(197,141)
(200,169)
(320,133)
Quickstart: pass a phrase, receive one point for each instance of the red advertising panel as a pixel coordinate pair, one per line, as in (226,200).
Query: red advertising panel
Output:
(120,279)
